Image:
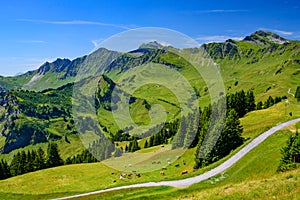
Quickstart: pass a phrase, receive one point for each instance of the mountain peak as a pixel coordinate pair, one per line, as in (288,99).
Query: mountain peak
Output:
(151,45)
(265,37)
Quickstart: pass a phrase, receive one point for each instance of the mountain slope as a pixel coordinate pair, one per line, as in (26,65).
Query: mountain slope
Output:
(263,62)
(60,72)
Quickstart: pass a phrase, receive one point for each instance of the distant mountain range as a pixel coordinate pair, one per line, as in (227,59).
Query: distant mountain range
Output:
(63,71)
(36,106)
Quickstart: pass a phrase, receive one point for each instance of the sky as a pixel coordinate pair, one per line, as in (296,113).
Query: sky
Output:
(33,32)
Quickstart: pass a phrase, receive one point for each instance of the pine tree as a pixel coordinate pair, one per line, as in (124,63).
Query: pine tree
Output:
(146,144)
(259,105)
(178,140)
(241,104)
(134,146)
(231,134)
(15,167)
(53,158)
(290,153)
(4,170)
(151,141)
(250,100)
(130,146)
(297,94)
(23,162)
(39,159)
(191,131)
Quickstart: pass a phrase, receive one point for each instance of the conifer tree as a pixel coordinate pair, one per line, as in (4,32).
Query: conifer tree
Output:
(146,144)
(53,158)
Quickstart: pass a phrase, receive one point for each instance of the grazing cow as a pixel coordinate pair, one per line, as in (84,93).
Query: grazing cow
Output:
(183,162)
(129,176)
(184,172)
(158,162)
(115,181)
(169,163)
(153,162)
(129,165)
(177,165)
(122,178)
(164,168)
(162,173)
(113,173)
(138,175)
(123,175)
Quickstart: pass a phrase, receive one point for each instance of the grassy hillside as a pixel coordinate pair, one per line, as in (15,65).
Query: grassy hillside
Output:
(263,62)
(74,179)
(253,177)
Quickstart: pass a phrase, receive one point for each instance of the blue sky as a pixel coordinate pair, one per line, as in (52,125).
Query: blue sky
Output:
(32,32)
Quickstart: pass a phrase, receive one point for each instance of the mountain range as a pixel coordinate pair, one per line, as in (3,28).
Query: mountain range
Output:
(36,107)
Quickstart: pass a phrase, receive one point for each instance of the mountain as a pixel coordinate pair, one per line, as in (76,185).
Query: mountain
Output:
(60,72)
(151,45)
(265,38)
(263,62)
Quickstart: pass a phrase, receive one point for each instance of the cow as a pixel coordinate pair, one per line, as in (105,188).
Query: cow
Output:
(129,176)
(164,168)
(184,172)
(177,165)
(138,175)
(162,173)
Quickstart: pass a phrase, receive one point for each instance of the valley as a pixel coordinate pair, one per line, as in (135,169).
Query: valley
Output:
(56,104)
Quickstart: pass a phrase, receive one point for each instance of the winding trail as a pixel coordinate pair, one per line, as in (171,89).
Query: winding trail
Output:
(189,181)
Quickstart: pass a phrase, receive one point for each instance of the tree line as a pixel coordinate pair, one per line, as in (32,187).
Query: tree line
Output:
(30,161)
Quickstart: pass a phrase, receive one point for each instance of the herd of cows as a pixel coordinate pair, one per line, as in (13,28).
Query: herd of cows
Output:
(124,176)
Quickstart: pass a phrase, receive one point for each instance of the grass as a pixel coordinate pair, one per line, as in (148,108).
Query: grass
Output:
(279,186)
(268,117)
(253,177)
(74,179)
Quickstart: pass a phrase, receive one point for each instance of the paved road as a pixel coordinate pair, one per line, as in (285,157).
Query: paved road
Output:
(189,181)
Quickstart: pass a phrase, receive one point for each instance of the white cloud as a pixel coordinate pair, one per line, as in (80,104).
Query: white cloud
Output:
(213,11)
(284,32)
(97,42)
(75,22)
(32,41)
(281,32)
(216,38)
